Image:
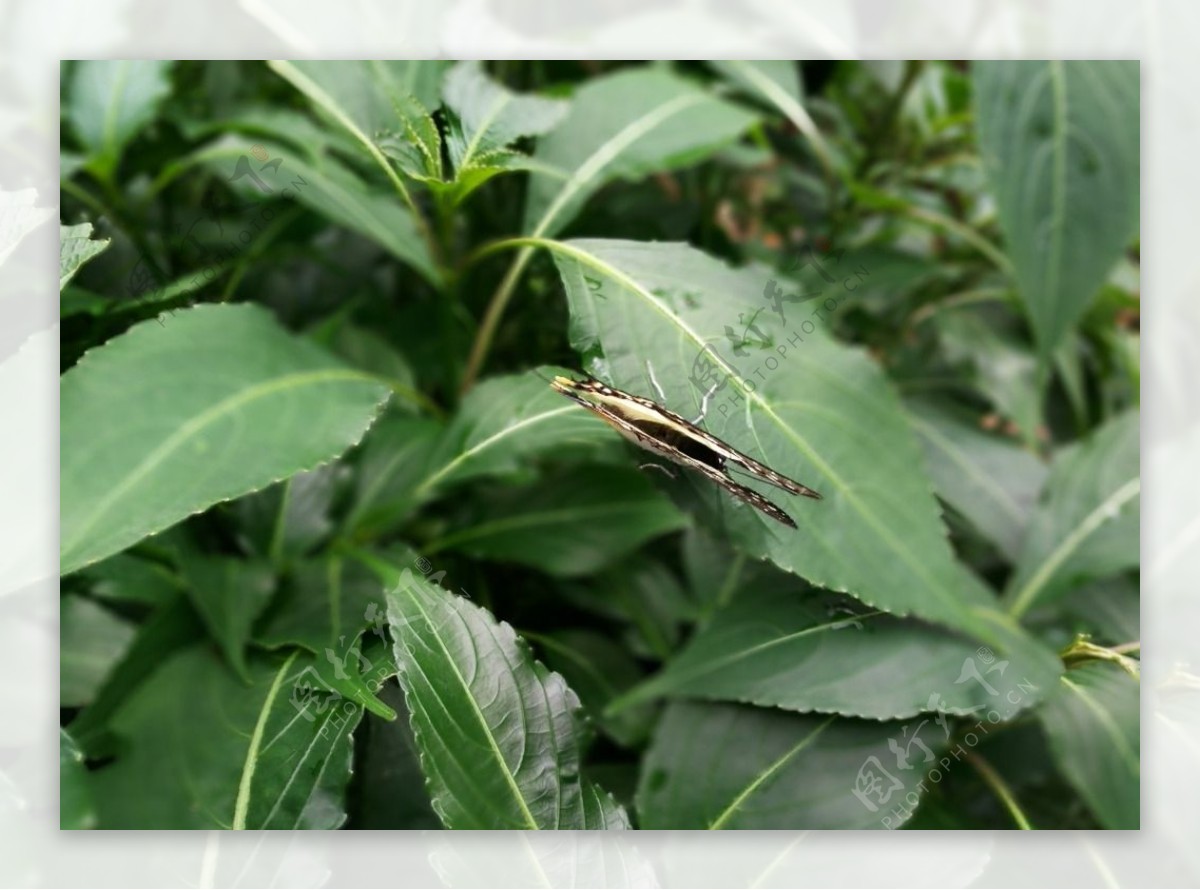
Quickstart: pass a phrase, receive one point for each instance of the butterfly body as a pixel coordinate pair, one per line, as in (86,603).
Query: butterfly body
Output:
(661,431)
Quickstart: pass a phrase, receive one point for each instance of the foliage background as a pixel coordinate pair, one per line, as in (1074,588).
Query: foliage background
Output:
(989,355)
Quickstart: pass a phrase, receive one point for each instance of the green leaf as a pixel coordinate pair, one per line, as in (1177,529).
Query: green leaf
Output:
(331,189)
(716,766)
(91,640)
(599,670)
(76,809)
(205,750)
(644,593)
(324,603)
(488,116)
(289,519)
(483,118)
(1001,367)
(231,390)
(992,481)
(777,82)
(130,579)
(374,100)
(335,609)
(18,217)
(763,76)
(229,593)
(1093,727)
(110,101)
(75,247)
(396,457)
(775,646)
(354,672)
(816,411)
(1086,526)
(1108,609)
(498,733)
(366,92)
(626,125)
(569,524)
(172,625)
(500,424)
(1060,145)
(370,351)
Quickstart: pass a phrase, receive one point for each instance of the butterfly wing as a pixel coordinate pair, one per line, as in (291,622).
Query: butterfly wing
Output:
(712,471)
(731,454)
(742,493)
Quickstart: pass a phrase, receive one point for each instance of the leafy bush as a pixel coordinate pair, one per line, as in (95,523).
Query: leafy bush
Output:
(335,554)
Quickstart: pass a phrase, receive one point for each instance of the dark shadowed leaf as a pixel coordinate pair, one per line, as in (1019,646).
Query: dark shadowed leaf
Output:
(1000,366)
(131,579)
(568,524)
(223,754)
(390,792)
(232,392)
(644,593)
(1060,144)
(498,733)
(992,481)
(1092,724)
(719,766)
(327,186)
(599,670)
(229,593)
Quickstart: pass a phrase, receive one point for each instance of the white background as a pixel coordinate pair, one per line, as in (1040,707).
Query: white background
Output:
(1164,35)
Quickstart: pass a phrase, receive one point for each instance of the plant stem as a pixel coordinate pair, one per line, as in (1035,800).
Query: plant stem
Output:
(495,309)
(994,781)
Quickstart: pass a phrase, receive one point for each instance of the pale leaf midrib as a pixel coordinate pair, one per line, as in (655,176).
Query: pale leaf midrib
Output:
(432,480)
(510,779)
(1071,542)
(1110,726)
(746,793)
(610,150)
(242,803)
(542,517)
(670,681)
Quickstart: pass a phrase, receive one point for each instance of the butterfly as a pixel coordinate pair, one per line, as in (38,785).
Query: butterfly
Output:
(656,429)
